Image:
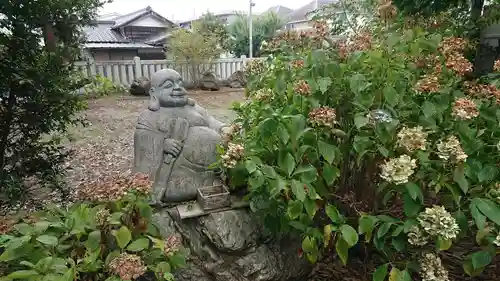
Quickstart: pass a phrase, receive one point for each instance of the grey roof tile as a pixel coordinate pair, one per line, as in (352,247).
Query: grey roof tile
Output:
(104,34)
(123,20)
(281,11)
(158,39)
(128,18)
(119,46)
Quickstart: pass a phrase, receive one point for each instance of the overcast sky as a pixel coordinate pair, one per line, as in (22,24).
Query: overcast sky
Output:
(187,9)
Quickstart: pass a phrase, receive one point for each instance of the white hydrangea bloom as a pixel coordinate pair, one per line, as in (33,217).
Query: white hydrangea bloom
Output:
(436,221)
(263,95)
(451,149)
(412,139)
(497,240)
(494,192)
(431,268)
(234,153)
(417,236)
(398,170)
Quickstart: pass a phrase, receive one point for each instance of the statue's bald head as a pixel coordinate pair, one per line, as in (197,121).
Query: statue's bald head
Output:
(159,77)
(167,90)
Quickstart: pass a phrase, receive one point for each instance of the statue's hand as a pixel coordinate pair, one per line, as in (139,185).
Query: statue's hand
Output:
(172,147)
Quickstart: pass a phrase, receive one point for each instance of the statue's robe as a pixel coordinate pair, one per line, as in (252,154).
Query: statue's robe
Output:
(189,170)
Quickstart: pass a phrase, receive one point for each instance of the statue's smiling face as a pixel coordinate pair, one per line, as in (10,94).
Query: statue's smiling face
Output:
(166,85)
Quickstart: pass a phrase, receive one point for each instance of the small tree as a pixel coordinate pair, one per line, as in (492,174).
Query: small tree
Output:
(39,40)
(264,28)
(195,47)
(210,25)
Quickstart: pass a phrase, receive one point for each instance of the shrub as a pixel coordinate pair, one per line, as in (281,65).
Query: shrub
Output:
(100,86)
(379,139)
(39,41)
(109,240)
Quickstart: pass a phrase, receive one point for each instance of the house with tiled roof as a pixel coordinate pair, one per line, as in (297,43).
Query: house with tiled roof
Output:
(226,17)
(281,11)
(142,33)
(301,18)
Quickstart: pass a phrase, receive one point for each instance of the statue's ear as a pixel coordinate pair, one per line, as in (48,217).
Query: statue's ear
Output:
(154,103)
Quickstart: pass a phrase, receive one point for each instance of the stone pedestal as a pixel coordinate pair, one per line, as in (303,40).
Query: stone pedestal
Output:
(232,246)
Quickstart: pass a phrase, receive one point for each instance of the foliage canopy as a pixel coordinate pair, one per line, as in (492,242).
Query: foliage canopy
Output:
(39,41)
(264,28)
(381,139)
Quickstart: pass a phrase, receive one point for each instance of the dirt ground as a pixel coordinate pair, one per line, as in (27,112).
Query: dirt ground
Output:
(105,146)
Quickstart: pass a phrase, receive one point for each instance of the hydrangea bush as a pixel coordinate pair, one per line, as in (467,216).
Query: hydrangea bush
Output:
(113,238)
(383,139)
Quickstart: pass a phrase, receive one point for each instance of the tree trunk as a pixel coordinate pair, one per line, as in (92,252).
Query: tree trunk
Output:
(485,59)
(485,54)
(5,129)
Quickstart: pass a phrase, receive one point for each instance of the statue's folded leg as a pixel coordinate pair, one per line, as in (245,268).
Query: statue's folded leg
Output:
(185,180)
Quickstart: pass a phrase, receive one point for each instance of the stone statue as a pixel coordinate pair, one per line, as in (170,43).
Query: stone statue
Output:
(175,141)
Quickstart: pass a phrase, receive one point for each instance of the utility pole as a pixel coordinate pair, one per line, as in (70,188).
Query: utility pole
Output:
(250,30)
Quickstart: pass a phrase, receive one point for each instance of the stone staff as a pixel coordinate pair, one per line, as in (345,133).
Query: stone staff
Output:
(178,128)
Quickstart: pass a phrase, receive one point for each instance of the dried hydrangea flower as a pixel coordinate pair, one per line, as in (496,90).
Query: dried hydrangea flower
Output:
(452,45)
(436,221)
(496,66)
(102,217)
(298,63)
(173,244)
(464,109)
(431,268)
(459,64)
(323,117)
(361,41)
(417,236)
(302,88)
(387,10)
(6,225)
(428,84)
(412,139)
(429,61)
(255,67)
(234,153)
(398,170)
(114,187)
(481,90)
(379,116)
(321,28)
(451,149)
(127,266)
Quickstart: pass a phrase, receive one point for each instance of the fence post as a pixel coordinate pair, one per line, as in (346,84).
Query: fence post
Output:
(138,67)
(243,60)
(93,68)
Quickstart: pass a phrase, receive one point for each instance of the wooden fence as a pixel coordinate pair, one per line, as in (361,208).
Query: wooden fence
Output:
(125,71)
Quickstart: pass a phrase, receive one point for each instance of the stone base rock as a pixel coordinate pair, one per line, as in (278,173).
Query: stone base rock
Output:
(140,87)
(209,82)
(232,246)
(237,80)
(225,83)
